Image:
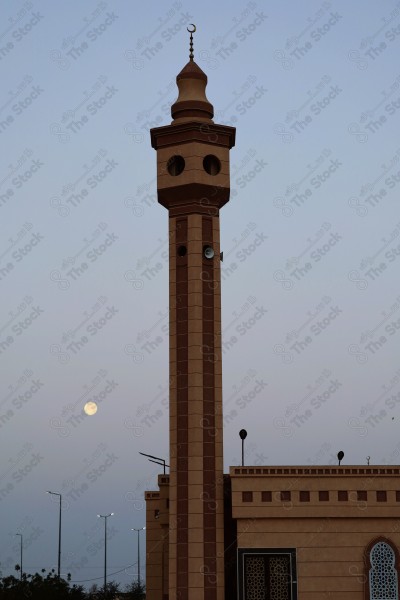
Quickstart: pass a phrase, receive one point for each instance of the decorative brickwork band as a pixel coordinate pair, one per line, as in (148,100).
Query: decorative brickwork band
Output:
(209,425)
(182,422)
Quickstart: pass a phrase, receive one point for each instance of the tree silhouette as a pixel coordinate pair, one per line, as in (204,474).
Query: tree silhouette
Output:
(98,593)
(42,586)
(135,591)
(39,587)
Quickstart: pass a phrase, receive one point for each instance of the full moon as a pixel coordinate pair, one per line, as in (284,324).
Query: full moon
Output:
(90,408)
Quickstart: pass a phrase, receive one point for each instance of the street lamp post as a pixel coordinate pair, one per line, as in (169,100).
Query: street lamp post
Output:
(138,549)
(59,530)
(105,517)
(20,535)
(243,436)
(156,459)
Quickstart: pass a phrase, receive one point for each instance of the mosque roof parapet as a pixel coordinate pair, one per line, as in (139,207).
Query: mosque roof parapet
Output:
(317,471)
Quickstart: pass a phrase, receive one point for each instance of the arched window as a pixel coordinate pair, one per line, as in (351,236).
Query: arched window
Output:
(382,573)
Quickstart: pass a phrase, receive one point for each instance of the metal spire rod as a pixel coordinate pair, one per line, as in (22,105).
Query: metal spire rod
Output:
(191,31)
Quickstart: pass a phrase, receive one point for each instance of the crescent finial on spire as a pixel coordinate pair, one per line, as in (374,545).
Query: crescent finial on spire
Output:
(191,31)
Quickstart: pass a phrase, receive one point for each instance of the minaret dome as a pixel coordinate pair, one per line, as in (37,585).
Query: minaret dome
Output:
(192,103)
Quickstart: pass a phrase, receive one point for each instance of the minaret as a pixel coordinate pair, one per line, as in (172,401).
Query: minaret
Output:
(193,184)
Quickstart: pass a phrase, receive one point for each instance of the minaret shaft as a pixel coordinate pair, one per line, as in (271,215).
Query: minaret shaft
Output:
(196,513)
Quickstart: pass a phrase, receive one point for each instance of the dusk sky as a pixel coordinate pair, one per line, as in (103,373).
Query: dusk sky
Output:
(310,278)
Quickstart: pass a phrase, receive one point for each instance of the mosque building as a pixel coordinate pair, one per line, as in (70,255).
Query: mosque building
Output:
(296,532)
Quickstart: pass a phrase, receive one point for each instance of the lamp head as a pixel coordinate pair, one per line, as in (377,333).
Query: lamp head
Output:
(208,252)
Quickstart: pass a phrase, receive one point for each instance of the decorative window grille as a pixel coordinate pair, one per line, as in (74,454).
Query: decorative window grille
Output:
(383,581)
(255,578)
(267,574)
(278,577)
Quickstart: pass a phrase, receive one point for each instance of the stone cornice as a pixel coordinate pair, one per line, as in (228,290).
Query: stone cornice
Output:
(317,471)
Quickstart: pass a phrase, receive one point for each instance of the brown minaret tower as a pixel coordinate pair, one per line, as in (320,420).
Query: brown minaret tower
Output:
(193,184)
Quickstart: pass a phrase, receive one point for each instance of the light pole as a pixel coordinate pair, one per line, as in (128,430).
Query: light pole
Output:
(138,550)
(105,517)
(156,459)
(59,530)
(20,535)
(243,436)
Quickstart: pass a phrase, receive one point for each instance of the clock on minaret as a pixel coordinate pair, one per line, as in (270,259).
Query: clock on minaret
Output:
(193,184)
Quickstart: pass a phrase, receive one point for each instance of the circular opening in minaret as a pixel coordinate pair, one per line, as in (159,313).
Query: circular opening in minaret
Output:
(175,165)
(211,164)
(182,251)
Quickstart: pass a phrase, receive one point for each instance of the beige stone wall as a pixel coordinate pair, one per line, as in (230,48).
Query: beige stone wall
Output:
(194,153)
(153,547)
(330,537)
(157,534)
(330,551)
